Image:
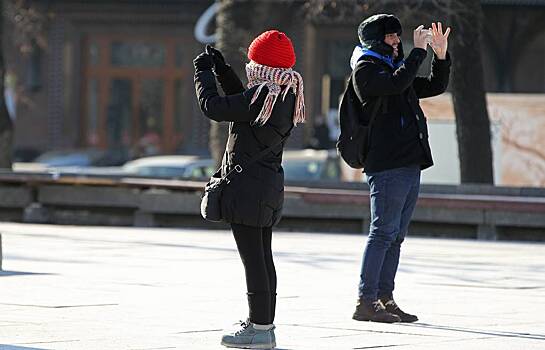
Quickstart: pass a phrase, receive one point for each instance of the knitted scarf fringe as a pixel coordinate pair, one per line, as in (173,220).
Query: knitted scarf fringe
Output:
(273,79)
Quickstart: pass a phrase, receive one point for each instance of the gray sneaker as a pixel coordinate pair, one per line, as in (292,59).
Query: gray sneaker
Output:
(247,337)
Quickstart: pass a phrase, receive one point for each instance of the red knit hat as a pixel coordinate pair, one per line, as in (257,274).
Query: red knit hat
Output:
(272,48)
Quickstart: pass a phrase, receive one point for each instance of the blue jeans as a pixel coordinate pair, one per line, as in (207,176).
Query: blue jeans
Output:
(393,196)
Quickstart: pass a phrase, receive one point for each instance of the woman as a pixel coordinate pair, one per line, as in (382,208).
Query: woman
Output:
(261,118)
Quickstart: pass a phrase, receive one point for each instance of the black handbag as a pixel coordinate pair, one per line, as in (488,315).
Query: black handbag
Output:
(210,201)
(211,198)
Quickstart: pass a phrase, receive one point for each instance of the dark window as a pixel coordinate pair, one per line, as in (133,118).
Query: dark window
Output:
(138,54)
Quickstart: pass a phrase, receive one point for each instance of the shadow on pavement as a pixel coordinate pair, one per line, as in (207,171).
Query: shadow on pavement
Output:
(18,273)
(13,347)
(508,334)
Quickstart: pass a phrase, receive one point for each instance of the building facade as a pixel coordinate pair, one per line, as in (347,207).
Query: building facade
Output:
(118,74)
(114,75)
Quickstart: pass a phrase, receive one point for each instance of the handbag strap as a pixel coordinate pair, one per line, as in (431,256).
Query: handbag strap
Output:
(238,168)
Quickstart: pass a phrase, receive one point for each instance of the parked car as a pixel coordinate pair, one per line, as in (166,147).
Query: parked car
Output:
(82,158)
(75,161)
(311,164)
(174,166)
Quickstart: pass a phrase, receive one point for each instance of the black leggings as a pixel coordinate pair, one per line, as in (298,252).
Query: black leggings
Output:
(254,247)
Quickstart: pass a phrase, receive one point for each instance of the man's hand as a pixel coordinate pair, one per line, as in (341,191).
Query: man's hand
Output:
(420,36)
(439,41)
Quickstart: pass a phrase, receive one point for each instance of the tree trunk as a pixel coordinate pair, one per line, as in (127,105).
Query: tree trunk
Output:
(233,20)
(218,131)
(472,122)
(6,125)
(238,22)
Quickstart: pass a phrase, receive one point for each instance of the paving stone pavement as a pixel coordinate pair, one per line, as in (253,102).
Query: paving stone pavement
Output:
(72,287)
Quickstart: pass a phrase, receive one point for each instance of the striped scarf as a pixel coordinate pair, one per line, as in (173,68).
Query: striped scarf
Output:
(273,79)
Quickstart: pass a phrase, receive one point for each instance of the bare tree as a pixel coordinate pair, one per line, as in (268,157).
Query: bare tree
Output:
(28,33)
(502,29)
(472,120)
(6,125)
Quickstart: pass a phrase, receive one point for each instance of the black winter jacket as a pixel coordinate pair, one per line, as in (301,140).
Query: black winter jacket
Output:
(399,135)
(254,197)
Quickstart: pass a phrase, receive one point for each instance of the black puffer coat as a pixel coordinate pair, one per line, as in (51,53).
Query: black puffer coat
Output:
(399,135)
(254,197)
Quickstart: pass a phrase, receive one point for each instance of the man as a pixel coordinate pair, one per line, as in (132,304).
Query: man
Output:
(399,147)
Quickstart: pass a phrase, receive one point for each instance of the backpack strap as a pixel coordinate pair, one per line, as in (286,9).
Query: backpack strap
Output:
(378,102)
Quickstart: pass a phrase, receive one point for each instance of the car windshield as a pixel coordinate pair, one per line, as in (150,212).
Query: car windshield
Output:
(302,169)
(74,159)
(161,171)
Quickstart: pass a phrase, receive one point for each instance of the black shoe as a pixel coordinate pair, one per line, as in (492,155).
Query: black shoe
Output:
(373,311)
(392,308)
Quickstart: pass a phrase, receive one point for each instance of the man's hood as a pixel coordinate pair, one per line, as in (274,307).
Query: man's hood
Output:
(357,54)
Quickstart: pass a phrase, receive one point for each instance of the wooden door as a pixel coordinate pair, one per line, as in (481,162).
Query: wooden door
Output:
(132,90)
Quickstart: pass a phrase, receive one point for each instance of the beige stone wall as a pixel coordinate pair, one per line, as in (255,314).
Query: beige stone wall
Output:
(520,123)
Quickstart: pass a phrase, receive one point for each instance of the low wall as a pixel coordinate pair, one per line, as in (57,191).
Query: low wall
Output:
(483,212)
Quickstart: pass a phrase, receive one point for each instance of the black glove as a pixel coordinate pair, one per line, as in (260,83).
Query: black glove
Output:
(220,66)
(203,62)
